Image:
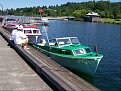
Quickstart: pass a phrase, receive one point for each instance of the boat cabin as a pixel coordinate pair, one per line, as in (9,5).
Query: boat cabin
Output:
(68,46)
(29,25)
(65,46)
(32,33)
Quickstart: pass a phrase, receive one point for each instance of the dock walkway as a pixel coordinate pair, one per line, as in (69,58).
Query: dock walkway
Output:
(15,74)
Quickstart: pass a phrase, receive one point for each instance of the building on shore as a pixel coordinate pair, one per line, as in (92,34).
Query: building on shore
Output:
(92,17)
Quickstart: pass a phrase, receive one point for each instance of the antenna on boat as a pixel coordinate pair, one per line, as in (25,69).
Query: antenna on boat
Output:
(96,50)
(45,30)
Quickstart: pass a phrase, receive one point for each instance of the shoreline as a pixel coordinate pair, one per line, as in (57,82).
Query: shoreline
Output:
(111,21)
(104,20)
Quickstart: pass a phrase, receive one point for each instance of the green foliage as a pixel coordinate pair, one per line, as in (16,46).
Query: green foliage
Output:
(80,13)
(118,16)
(106,9)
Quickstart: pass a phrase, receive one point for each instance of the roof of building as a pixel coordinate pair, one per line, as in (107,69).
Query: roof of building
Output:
(92,14)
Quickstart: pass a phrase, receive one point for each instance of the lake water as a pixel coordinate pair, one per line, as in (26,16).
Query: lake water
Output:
(108,39)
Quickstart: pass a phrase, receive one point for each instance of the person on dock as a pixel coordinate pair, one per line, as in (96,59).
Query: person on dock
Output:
(13,33)
(1,19)
(20,38)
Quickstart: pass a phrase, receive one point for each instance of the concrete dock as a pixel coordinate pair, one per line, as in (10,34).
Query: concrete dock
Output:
(15,74)
(19,76)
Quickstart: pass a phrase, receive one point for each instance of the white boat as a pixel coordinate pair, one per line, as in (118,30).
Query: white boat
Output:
(43,21)
(32,32)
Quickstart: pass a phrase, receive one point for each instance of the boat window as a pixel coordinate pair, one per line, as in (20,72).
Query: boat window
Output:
(88,50)
(52,41)
(68,52)
(27,31)
(63,41)
(35,31)
(80,51)
(74,41)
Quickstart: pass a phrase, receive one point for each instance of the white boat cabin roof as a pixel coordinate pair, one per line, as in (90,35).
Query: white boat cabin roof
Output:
(65,41)
(31,31)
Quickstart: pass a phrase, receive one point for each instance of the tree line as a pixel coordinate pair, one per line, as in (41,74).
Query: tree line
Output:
(106,9)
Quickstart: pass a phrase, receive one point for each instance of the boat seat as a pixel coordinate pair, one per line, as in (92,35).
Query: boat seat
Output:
(43,41)
(51,44)
(40,44)
(61,43)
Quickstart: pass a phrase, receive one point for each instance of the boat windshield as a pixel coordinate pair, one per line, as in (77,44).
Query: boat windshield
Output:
(88,50)
(79,51)
(36,31)
(27,31)
(63,41)
(74,41)
(82,51)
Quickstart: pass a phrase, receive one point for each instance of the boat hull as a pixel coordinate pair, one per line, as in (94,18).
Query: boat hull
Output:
(87,66)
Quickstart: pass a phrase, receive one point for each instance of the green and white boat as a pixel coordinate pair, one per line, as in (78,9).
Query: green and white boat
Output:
(70,53)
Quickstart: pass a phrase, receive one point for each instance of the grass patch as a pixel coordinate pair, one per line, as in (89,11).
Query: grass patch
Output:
(112,21)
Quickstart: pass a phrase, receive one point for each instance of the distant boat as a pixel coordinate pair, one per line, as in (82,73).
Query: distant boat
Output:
(29,25)
(43,21)
(9,23)
(68,52)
